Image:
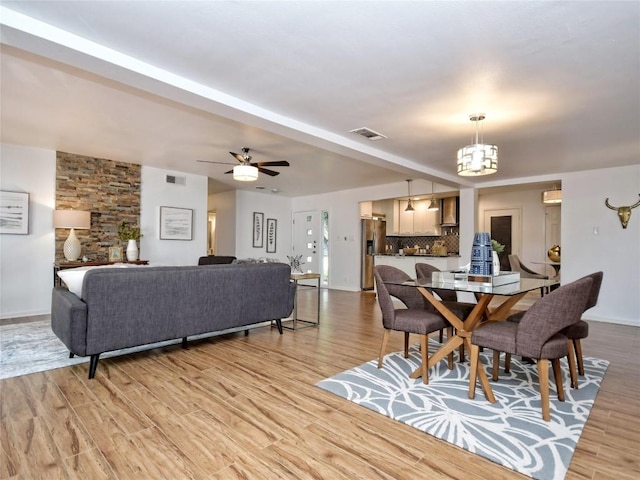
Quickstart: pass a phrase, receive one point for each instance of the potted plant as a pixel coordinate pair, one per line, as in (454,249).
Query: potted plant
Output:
(131,235)
(497,248)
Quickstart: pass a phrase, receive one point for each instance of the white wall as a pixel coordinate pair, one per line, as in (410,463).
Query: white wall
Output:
(532,219)
(26,261)
(273,206)
(154,193)
(224,204)
(614,250)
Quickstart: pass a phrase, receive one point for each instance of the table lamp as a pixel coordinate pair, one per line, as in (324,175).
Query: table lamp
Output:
(72,219)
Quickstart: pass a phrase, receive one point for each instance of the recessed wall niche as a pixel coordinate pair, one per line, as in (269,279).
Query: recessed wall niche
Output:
(108,189)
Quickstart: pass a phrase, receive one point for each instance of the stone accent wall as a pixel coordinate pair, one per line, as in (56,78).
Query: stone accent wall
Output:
(108,189)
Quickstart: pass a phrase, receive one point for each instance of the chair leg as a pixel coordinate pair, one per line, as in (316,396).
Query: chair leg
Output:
(385,339)
(450,356)
(425,358)
(578,347)
(473,374)
(557,373)
(461,350)
(572,366)
(441,336)
(496,365)
(507,362)
(406,344)
(543,374)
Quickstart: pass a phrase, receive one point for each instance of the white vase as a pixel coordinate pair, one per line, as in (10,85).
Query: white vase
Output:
(496,264)
(132,251)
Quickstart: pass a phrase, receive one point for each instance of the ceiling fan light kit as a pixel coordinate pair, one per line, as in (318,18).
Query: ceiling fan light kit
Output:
(248,171)
(478,158)
(245,173)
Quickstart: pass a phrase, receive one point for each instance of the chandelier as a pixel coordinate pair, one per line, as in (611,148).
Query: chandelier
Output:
(477,159)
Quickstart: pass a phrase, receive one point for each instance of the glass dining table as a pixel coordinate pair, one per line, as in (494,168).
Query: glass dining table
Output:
(510,293)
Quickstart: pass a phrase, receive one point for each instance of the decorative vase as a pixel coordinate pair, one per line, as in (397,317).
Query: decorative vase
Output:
(554,253)
(132,250)
(496,263)
(481,258)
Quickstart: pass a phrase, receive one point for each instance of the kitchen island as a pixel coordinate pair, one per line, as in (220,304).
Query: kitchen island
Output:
(407,263)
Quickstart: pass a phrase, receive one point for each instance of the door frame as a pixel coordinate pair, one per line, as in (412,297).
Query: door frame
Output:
(516,225)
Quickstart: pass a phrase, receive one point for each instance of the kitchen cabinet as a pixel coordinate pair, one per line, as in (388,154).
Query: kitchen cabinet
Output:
(420,222)
(386,208)
(405,219)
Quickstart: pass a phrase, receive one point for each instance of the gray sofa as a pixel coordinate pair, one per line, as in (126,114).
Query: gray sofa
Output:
(127,307)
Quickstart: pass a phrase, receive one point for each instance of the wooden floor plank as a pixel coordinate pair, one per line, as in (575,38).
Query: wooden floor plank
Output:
(237,407)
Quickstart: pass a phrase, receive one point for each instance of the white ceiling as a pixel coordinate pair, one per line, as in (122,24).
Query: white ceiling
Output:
(167,83)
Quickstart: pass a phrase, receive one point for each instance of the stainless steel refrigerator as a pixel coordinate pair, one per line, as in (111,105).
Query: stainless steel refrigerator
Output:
(374,241)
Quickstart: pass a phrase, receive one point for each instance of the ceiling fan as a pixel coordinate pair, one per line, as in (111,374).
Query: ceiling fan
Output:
(247,171)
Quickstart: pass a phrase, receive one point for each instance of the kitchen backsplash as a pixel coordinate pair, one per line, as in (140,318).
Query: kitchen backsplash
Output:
(452,242)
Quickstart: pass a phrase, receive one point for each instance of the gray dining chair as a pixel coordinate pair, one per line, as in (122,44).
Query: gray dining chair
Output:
(418,318)
(538,335)
(448,297)
(574,333)
(526,272)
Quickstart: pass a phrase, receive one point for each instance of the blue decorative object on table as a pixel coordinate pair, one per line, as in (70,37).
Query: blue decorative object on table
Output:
(481,255)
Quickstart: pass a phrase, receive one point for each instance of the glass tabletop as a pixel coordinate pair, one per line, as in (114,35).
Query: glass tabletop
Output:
(522,286)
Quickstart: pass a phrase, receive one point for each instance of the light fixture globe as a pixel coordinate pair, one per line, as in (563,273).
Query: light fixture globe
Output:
(478,158)
(245,173)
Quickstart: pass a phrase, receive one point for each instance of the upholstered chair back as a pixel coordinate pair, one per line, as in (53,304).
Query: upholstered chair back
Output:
(550,315)
(595,289)
(410,296)
(424,271)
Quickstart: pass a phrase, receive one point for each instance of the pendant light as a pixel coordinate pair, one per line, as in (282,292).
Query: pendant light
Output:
(409,205)
(478,158)
(433,205)
(552,196)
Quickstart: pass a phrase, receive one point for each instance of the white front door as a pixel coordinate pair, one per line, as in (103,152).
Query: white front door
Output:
(307,241)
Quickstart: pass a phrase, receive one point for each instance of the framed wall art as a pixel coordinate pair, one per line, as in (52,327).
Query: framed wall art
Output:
(272,233)
(176,223)
(258,234)
(14,213)
(115,254)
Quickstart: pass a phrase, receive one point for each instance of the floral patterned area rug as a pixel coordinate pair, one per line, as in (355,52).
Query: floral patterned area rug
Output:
(510,432)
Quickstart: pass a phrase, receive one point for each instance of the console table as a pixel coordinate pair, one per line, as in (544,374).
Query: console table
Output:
(57,281)
(296,277)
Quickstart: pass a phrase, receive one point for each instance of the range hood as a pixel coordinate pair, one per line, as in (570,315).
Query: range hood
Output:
(449,212)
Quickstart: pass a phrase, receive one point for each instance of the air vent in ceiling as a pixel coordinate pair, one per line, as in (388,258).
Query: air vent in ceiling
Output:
(368,133)
(175,180)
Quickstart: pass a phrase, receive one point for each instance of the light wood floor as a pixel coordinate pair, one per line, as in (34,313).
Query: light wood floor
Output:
(239,407)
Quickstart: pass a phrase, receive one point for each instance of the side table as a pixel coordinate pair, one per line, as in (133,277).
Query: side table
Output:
(57,281)
(294,320)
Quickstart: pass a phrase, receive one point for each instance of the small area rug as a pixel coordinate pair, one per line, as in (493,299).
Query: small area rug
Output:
(510,432)
(32,347)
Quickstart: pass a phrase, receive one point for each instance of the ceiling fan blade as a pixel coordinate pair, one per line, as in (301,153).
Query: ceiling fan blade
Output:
(279,163)
(211,161)
(230,171)
(273,173)
(237,156)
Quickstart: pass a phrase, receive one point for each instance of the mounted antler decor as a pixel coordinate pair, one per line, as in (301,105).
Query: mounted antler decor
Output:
(624,213)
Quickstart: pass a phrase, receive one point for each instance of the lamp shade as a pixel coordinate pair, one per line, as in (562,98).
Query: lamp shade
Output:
(72,219)
(245,173)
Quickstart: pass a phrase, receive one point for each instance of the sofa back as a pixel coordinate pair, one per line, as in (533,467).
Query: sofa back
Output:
(134,306)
